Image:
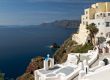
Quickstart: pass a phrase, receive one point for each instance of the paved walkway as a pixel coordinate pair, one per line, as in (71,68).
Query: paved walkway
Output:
(101,57)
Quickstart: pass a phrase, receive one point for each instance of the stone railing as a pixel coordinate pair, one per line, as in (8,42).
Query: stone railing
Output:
(81,66)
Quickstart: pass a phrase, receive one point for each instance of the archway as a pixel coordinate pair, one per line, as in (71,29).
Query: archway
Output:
(48,62)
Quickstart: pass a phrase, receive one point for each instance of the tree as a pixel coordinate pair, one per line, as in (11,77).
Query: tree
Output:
(93,30)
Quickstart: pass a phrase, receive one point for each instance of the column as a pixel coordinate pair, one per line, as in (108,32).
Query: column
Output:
(36,77)
(51,63)
(103,50)
(81,75)
(85,62)
(81,65)
(45,65)
(108,49)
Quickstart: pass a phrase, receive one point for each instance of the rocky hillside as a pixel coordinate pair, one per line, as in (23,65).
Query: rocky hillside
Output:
(60,56)
(70,46)
(36,63)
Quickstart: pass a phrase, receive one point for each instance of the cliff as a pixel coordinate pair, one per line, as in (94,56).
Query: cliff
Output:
(60,56)
(36,63)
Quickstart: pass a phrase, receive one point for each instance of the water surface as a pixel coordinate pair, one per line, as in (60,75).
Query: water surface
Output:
(18,45)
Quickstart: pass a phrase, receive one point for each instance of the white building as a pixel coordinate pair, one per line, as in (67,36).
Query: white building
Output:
(67,70)
(72,67)
(100,72)
(58,71)
(99,14)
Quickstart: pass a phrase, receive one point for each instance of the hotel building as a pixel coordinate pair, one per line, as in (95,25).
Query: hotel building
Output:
(99,14)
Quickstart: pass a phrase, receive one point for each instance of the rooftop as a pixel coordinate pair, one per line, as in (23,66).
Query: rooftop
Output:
(49,70)
(56,70)
(66,70)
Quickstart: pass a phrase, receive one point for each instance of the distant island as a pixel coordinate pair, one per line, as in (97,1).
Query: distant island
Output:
(63,23)
(57,23)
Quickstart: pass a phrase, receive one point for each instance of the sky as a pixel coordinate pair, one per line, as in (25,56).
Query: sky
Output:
(34,12)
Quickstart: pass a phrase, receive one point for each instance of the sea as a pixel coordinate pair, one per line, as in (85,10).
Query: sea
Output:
(19,44)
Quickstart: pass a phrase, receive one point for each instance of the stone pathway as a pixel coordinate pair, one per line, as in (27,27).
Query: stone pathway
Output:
(101,57)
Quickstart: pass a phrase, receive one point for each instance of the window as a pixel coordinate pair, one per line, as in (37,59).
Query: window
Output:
(97,15)
(98,23)
(86,17)
(86,23)
(96,6)
(107,24)
(101,33)
(100,13)
(108,14)
(108,34)
(104,15)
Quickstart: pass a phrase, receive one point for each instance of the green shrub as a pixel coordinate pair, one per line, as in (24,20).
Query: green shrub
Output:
(83,48)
